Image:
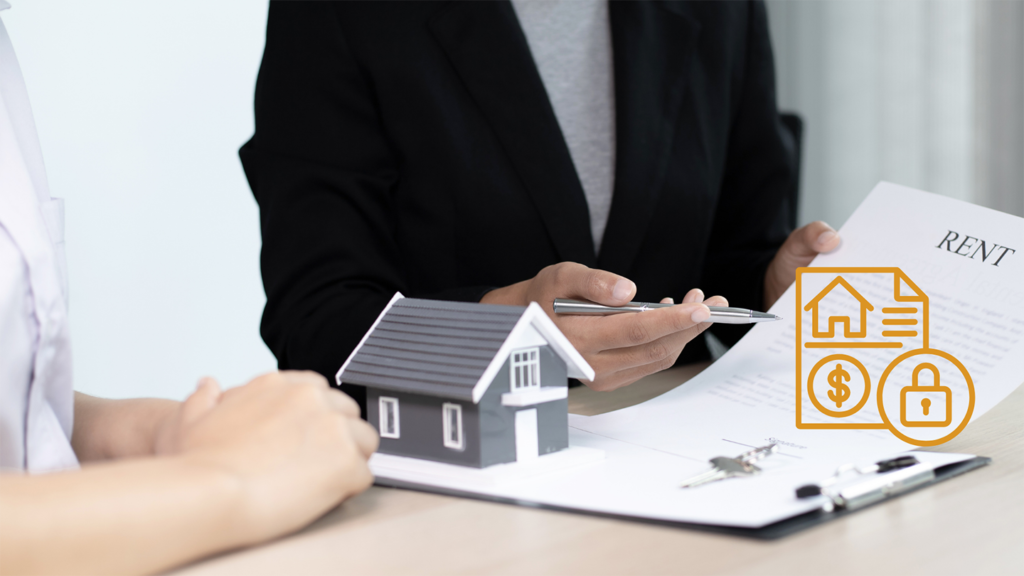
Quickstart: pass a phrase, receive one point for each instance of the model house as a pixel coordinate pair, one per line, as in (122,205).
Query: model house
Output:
(836,290)
(464,383)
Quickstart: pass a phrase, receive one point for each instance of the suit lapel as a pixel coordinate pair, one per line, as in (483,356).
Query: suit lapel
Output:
(652,48)
(487,47)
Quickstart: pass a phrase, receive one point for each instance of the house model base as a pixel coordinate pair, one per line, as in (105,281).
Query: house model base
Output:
(419,471)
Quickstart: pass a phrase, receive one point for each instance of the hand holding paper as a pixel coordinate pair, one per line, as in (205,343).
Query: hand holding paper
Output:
(802,246)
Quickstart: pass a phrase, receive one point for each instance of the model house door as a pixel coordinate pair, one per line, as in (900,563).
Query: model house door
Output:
(527,441)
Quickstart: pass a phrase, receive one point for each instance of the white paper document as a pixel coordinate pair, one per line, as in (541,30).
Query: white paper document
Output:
(953,280)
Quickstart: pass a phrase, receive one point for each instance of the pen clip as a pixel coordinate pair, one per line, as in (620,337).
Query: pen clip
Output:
(835,498)
(876,488)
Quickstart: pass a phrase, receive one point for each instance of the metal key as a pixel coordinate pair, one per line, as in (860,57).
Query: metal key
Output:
(723,467)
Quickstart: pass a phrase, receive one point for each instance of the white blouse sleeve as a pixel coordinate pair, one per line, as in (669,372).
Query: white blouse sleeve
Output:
(19,334)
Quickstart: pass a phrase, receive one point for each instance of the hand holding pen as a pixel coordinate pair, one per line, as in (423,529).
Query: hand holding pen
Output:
(622,348)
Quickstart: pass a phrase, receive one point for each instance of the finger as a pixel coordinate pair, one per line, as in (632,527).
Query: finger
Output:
(694,295)
(625,377)
(717,301)
(365,436)
(628,375)
(656,355)
(357,478)
(303,377)
(201,401)
(342,402)
(578,281)
(667,301)
(634,329)
(669,346)
(812,239)
(662,354)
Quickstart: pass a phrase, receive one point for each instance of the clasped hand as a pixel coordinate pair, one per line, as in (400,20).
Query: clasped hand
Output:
(294,446)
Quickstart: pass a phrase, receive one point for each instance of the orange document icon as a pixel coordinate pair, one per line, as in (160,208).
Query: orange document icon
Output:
(852,323)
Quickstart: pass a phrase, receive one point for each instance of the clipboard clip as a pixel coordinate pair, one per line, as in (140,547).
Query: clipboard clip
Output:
(870,484)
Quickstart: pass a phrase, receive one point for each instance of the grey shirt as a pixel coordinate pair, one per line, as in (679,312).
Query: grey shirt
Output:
(571,43)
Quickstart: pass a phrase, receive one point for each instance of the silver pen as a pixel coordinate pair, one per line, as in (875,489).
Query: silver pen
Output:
(719,314)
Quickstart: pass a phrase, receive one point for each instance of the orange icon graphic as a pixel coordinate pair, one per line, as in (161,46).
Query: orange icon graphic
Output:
(862,333)
(865,307)
(922,399)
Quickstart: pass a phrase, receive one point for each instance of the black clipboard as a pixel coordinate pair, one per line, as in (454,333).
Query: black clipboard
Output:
(774,531)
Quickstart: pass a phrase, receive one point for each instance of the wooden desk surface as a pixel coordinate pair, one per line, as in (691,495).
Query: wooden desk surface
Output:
(972,524)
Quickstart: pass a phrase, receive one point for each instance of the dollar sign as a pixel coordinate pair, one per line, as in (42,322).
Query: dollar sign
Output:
(842,391)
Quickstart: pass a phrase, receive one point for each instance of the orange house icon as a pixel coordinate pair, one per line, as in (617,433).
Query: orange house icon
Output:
(848,331)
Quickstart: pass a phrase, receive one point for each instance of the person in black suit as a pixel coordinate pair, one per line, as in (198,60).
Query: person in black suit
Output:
(412,147)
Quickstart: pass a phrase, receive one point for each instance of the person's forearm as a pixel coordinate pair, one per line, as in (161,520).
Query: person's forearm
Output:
(106,429)
(134,517)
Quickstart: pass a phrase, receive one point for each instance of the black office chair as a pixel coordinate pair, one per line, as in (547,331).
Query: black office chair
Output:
(795,126)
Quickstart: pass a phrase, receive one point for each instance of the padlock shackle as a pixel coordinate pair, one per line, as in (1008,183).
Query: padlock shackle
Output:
(922,366)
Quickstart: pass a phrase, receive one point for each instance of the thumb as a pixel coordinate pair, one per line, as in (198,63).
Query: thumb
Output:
(807,242)
(205,397)
(365,436)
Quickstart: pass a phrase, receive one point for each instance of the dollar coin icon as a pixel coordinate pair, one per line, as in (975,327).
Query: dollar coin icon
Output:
(842,383)
(836,379)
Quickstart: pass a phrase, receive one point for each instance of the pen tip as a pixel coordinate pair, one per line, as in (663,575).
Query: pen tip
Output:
(777,317)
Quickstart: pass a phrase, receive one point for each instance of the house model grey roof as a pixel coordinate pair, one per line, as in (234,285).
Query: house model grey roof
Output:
(448,349)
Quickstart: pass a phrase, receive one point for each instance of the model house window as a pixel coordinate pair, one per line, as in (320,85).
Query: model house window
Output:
(453,426)
(388,417)
(525,367)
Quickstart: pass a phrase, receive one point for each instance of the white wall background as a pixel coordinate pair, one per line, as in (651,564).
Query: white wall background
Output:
(884,88)
(999,105)
(924,93)
(141,108)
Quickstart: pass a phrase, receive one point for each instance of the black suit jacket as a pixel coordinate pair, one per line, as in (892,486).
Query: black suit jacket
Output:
(412,147)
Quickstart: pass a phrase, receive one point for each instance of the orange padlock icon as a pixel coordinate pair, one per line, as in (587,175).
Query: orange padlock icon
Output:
(926,406)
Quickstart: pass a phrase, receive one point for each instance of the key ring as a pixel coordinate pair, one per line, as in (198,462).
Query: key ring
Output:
(758,454)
